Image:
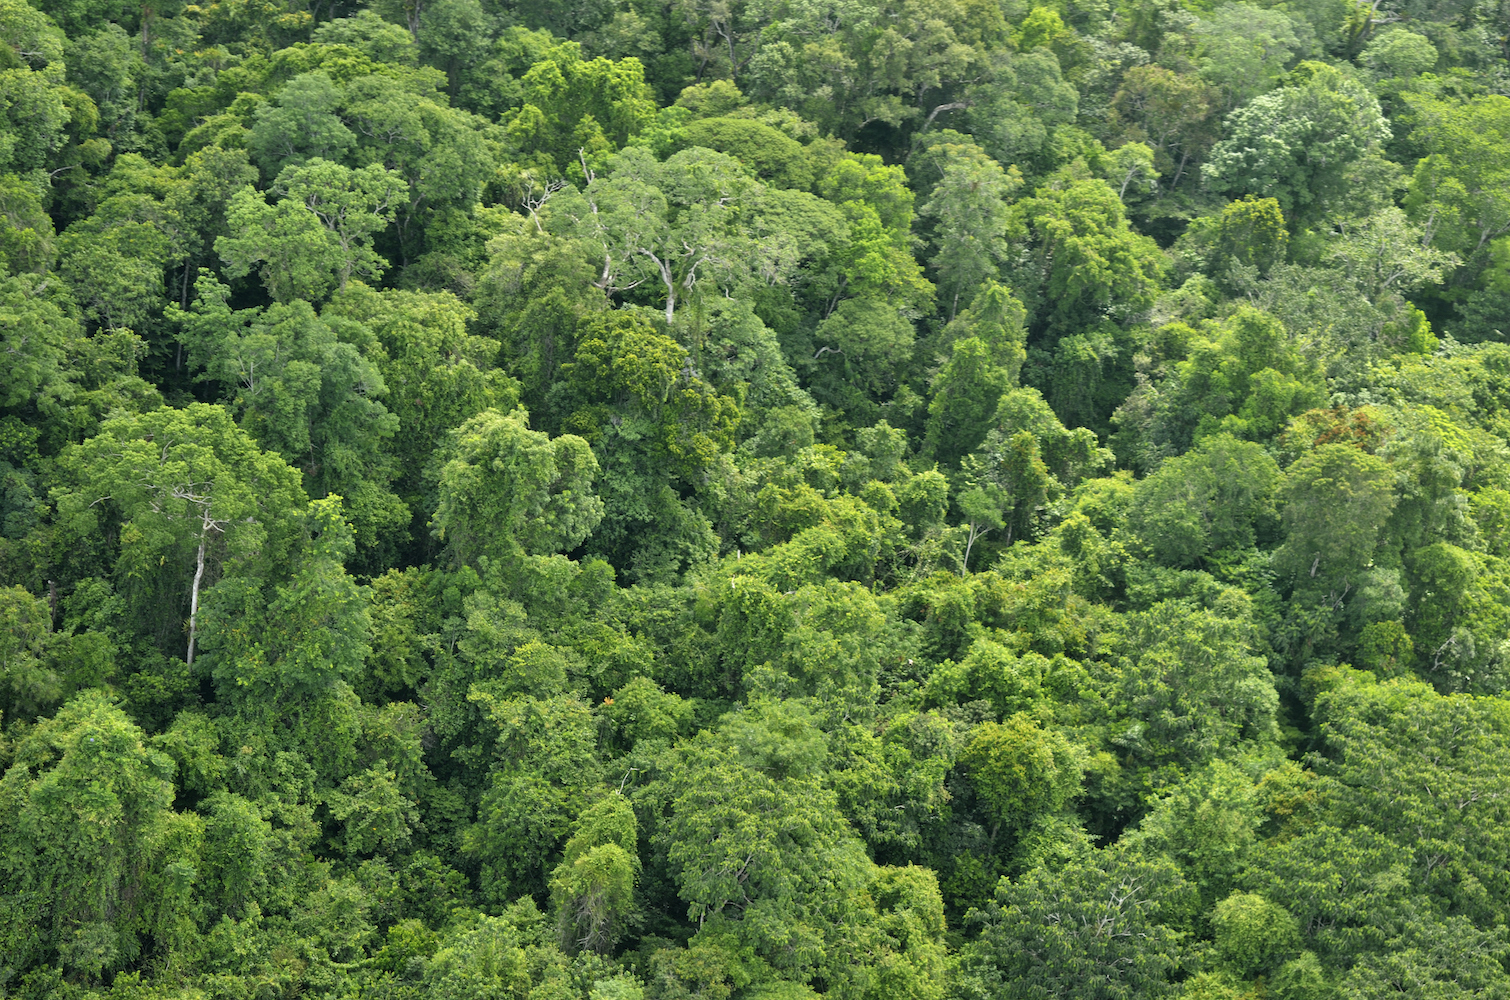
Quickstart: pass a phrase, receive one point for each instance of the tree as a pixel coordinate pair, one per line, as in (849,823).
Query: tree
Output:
(300,124)
(1008,482)
(1245,376)
(1019,110)
(506,489)
(437,373)
(679,224)
(1253,934)
(1085,261)
(593,887)
(861,349)
(1130,169)
(210,178)
(626,371)
(116,269)
(300,387)
(1193,680)
(269,645)
(1399,53)
(28,681)
(969,206)
(37,112)
(1298,144)
(569,101)
(1243,49)
(97,867)
(966,392)
(1335,501)
(35,335)
(996,318)
(1385,254)
(1250,234)
(1021,771)
(189,496)
(766,152)
(1389,743)
(1170,112)
(544,771)
(319,232)
(439,151)
(762,854)
(658,431)
(895,66)
(26,243)
(1458,190)
(1102,929)
(1212,499)
(876,260)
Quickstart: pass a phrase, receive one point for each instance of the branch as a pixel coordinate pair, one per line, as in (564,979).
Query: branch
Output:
(951,106)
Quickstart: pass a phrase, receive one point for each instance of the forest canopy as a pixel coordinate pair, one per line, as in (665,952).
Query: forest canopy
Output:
(754,499)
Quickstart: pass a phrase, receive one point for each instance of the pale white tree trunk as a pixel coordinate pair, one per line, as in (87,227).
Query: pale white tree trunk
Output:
(204,537)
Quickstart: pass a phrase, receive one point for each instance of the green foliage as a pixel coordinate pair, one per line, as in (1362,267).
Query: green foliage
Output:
(1020,771)
(318,236)
(1252,933)
(509,489)
(593,887)
(300,639)
(98,867)
(934,499)
(297,383)
(1190,685)
(1084,931)
(1335,501)
(572,103)
(1211,499)
(1298,144)
(1086,261)
(181,492)
(31,679)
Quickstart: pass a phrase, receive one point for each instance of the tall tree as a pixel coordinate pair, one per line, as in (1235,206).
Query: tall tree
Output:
(186,496)
(97,867)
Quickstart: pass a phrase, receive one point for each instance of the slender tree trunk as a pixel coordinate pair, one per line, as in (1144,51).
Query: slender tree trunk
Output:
(964,569)
(670,283)
(1180,171)
(204,537)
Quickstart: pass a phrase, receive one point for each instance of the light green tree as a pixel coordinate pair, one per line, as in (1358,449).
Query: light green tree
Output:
(1085,262)
(1243,48)
(300,124)
(969,209)
(571,103)
(98,869)
(318,235)
(268,645)
(29,681)
(1106,928)
(1458,190)
(1334,502)
(1299,143)
(299,385)
(187,494)
(1021,771)
(593,886)
(680,224)
(507,490)
(966,392)
(1208,500)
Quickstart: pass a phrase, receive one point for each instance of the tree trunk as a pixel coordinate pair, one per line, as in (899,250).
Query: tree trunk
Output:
(204,537)
(670,282)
